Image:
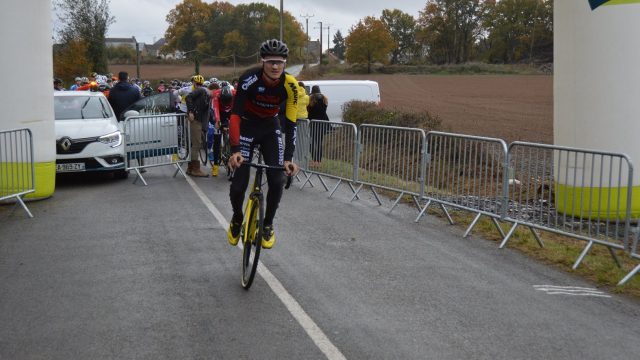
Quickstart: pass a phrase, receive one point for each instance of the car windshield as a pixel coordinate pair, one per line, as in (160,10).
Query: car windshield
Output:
(81,107)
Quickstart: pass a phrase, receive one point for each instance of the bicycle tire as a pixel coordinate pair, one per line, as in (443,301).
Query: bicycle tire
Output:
(252,240)
(225,153)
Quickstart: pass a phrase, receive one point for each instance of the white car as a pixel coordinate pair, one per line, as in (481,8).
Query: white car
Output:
(88,136)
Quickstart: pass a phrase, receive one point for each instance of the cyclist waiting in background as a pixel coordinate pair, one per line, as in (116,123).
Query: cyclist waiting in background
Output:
(222,107)
(254,120)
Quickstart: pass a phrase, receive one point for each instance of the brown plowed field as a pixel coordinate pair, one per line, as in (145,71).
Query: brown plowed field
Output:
(511,107)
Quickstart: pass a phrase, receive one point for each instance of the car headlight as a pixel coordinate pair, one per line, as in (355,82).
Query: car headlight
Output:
(114,139)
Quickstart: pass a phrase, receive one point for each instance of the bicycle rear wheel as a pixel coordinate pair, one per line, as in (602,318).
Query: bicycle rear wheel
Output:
(251,240)
(225,153)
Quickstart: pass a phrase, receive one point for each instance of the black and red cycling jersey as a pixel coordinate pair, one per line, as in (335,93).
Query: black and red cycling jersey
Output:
(257,101)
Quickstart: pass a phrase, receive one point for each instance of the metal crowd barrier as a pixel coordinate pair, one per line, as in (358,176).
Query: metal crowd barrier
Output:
(466,172)
(156,140)
(580,193)
(391,158)
(301,154)
(332,152)
(17,167)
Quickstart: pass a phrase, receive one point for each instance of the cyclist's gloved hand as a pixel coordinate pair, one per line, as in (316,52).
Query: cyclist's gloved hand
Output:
(290,168)
(235,160)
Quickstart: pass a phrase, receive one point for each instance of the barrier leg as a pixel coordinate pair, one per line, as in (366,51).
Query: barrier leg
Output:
(353,190)
(355,195)
(509,234)
(139,176)
(615,257)
(536,236)
(629,275)
(335,188)
(395,203)
(498,227)
(446,212)
(473,224)
(307,180)
(179,170)
(416,202)
(326,188)
(375,194)
(423,210)
(584,253)
(19,200)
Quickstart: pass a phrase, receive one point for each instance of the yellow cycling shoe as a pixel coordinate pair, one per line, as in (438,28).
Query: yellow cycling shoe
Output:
(233,233)
(268,237)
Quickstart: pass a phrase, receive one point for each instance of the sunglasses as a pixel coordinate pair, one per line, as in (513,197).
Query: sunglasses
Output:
(275,62)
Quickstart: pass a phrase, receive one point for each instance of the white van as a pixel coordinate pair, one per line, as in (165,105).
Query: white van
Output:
(339,92)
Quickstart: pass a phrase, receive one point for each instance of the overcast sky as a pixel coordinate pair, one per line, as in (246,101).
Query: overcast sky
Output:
(145,19)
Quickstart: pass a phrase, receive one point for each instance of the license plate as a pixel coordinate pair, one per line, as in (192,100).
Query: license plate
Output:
(70,167)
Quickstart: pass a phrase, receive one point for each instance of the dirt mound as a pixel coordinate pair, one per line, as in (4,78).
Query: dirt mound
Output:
(167,72)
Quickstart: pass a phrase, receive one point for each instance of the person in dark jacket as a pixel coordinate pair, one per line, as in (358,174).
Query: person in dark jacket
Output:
(317,110)
(122,95)
(198,110)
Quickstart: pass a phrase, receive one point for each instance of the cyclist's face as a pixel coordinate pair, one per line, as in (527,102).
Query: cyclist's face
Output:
(273,66)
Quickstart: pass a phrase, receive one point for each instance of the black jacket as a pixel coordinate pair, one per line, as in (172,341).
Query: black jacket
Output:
(121,96)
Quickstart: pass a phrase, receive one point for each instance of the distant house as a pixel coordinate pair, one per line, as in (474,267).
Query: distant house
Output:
(155,50)
(115,42)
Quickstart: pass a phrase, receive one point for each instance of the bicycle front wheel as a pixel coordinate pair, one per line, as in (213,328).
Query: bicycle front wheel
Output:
(225,154)
(251,240)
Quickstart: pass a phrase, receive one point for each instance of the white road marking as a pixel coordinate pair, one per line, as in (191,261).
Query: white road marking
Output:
(571,290)
(310,327)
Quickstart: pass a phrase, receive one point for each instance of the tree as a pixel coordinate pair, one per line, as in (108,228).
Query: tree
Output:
(338,45)
(519,30)
(85,21)
(69,60)
(187,22)
(401,26)
(449,29)
(368,42)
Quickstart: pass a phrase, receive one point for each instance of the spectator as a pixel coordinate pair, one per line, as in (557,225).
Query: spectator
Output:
(317,109)
(161,88)
(198,107)
(147,90)
(78,83)
(122,95)
(303,102)
(57,85)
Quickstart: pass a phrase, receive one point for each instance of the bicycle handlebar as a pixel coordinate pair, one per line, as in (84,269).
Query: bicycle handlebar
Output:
(269,167)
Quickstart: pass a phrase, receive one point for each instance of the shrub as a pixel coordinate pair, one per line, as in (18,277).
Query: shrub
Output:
(365,112)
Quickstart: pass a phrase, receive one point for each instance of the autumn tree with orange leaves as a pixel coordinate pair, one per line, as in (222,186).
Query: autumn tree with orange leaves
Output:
(369,42)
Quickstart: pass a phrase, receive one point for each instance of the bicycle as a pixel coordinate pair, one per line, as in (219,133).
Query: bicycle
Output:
(252,225)
(225,151)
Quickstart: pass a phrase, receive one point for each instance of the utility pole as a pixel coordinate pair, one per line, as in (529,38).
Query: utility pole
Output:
(281,21)
(328,41)
(320,22)
(137,60)
(306,55)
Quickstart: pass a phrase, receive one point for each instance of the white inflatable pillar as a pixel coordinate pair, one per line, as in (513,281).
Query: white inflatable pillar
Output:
(26,95)
(597,87)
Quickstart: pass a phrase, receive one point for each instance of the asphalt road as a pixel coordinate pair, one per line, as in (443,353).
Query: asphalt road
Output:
(108,269)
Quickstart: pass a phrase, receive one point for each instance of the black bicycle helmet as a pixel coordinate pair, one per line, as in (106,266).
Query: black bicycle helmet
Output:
(274,47)
(226,95)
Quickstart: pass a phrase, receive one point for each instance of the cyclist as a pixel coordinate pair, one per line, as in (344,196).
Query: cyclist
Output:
(222,107)
(254,120)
